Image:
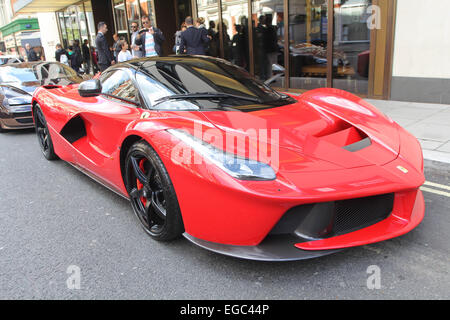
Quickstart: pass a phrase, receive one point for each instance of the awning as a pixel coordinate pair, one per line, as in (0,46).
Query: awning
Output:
(35,6)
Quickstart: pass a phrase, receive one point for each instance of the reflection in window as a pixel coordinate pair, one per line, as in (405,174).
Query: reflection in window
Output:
(235,32)
(153,90)
(308,29)
(209,10)
(351,51)
(268,37)
(119,84)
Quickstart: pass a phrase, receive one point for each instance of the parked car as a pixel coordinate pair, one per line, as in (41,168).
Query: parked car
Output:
(5,59)
(314,173)
(18,81)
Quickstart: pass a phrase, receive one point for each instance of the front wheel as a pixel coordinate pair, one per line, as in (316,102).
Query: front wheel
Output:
(152,194)
(44,138)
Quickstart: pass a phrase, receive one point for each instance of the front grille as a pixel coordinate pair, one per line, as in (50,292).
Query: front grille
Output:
(21,114)
(25,120)
(329,219)
(355,214)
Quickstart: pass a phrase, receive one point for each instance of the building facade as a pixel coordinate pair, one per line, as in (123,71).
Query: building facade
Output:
(362,46)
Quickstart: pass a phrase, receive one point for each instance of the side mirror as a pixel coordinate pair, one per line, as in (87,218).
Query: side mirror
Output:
(90,88)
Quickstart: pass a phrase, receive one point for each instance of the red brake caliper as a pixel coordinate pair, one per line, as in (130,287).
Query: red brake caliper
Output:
(139,184)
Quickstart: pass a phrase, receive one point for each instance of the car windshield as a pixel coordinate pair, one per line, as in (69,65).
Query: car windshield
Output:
(9,74)
(206,83)
(41,72)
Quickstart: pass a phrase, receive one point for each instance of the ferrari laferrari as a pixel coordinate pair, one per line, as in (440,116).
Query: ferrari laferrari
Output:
(202,149)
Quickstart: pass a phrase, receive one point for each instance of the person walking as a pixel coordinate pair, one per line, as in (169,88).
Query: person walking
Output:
(193,40)
(124,54)
(149,39)
(213,46)
(31,54)
(104,54)
(135,49)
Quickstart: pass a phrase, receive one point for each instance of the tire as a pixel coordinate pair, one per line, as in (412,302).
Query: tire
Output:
(43,134)
(151,192)
(1,128)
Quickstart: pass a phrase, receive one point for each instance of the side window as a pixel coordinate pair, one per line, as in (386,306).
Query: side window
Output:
(119,84)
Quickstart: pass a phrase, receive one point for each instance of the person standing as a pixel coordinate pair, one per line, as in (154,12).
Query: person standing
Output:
(193,40)
(124,54)
(116,45)
(135,50)
(76,58)
(59,53)
(176,47)
(213,47)
(31,54)
(104,54)
(86,56)
(149,39)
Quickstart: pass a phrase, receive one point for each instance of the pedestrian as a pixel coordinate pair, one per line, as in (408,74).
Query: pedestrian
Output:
(135,49)
(104,54)
(193,40)
(116,45)
(149,39)
(176,47)
(86,56)
(76,57)
(213,45)
(31,54)
(124,54)
(61,54)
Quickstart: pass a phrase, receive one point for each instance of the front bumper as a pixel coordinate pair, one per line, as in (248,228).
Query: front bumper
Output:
(21,119)
(407,213)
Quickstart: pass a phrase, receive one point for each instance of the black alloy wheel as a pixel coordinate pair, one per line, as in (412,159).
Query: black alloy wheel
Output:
(152,194)
(44,138)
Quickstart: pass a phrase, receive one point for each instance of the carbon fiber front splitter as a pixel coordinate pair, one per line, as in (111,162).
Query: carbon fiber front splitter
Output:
(273,248)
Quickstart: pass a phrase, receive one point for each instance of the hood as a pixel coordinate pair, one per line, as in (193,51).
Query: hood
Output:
(319,129)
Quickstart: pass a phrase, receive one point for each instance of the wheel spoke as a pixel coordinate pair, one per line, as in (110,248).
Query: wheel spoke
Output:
(138,172)
(137,194)
(157,208)
(41,117)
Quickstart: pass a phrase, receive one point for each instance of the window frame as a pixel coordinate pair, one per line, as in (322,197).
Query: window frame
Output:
(132,76)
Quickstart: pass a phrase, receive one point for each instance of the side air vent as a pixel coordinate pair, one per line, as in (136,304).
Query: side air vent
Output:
(74,129)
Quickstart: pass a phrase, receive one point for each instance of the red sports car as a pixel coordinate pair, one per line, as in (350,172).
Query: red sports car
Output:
(202,149)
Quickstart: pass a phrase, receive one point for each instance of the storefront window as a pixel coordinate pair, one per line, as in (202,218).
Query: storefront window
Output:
(120,18)
(209,10)
(351,50)
(148,9)
(308,32)
(235,32)
(268,38)
(62,25)
(90,22)
(133,11)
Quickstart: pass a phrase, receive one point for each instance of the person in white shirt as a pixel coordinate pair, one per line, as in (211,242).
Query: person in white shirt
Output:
(124,54)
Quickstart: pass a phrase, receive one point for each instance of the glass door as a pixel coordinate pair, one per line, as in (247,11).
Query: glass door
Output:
(351,49)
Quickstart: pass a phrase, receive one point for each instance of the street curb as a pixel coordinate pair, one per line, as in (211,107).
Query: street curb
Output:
(436,156)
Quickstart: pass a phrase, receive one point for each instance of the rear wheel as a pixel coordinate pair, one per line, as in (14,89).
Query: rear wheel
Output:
(152,194)
(45,141)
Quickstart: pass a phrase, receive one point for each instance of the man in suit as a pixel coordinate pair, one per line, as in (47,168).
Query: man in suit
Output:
(149,39)
(104,54)
(193,40)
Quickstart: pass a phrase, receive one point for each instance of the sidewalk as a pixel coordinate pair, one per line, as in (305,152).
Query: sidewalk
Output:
(430,123)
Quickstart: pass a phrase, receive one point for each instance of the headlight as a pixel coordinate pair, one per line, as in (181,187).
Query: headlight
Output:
(236,166)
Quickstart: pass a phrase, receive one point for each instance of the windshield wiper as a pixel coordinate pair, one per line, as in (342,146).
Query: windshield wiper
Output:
(206,95)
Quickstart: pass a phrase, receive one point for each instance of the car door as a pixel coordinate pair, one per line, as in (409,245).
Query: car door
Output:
(105,121)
